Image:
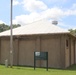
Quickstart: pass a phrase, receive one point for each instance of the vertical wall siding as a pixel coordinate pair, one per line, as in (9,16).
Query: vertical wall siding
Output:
(38,48)
(67,51)
(16,52)
(0,50)
(75,51)
(58,55)
(72,51)
(26,52)
(62,51)
(52,46)
(5,46)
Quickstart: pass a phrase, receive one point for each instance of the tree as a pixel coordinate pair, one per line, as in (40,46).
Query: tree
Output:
(72,31)
(16,25)
(4,27)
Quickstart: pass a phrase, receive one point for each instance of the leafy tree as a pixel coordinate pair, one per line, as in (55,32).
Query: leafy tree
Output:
(72,31)
(16,25)
(4,27)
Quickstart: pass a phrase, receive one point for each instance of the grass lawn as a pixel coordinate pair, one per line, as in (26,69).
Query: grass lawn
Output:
(39,71)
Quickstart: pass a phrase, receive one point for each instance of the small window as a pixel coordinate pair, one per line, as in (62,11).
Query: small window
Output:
(66,43)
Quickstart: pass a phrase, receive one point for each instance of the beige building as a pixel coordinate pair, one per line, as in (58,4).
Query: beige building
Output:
(39,36)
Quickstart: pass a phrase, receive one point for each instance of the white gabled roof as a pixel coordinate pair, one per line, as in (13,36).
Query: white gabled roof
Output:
(38,27)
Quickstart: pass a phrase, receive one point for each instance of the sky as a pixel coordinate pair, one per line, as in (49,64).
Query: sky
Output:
(28,11)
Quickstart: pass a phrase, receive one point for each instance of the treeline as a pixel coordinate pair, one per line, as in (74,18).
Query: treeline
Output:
(4,27)
(73,31)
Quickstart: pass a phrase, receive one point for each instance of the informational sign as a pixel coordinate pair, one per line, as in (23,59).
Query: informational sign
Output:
(41,56)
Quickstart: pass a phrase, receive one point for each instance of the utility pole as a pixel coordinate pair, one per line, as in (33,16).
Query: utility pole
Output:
(11,36)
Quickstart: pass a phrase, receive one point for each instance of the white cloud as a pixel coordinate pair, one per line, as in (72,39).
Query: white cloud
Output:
(24,19)
(49,13)
(74,6)
(34,5)
(15,2)
(54,13)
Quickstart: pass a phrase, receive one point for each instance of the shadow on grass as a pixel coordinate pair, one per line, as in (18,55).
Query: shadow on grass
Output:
(30,68)
(23,68)
(71,68)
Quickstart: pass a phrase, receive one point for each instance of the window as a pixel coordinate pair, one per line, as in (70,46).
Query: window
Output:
(66,43)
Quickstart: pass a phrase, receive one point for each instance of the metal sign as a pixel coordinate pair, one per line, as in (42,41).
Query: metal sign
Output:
(41,56)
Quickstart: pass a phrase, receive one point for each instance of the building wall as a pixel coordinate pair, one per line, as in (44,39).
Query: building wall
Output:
(69,51)
(26,52)
(4,50)
(24,47)
(52,46)
(75,51)
(72,51)
(16,52)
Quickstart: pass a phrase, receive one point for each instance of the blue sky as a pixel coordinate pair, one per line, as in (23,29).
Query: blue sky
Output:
(27,11)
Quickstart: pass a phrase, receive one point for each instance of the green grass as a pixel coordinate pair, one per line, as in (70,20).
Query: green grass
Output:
(39,71)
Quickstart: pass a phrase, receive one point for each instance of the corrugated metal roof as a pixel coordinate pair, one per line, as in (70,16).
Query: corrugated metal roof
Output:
(38,27)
